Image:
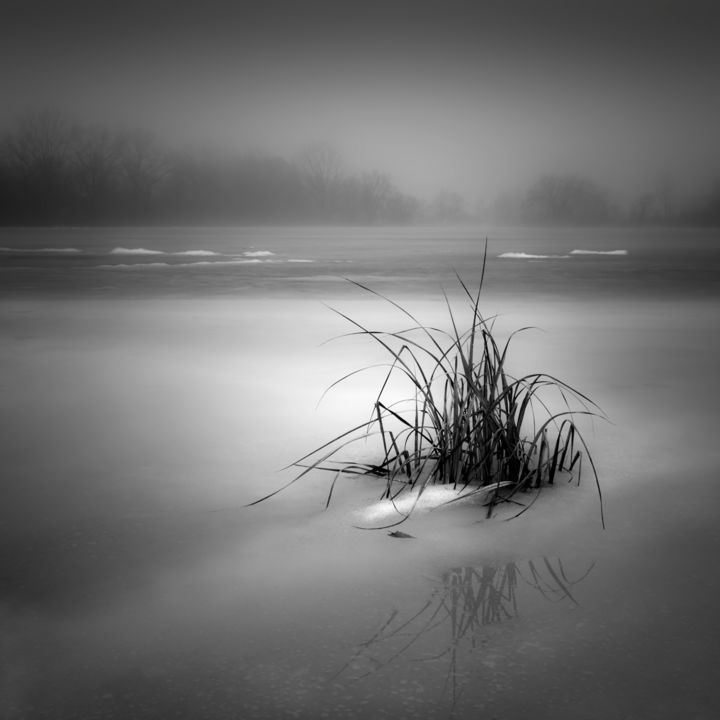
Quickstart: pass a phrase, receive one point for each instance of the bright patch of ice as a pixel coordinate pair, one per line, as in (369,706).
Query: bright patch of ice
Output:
(299,260)
(135,251)
(218,263)
(199,263)
(599,252)
(431,497)
(257,253)
(199,253)
(530,256)
(134,266)
(40,250)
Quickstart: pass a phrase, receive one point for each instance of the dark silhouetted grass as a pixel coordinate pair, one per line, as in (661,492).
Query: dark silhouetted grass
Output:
(466,422)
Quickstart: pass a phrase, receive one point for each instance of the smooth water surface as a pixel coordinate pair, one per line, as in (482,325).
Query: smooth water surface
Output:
(147,398)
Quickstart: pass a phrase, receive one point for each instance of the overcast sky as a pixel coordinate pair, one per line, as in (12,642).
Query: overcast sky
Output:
(467,96)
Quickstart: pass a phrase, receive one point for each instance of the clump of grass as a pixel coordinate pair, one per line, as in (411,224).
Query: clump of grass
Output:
(467,422)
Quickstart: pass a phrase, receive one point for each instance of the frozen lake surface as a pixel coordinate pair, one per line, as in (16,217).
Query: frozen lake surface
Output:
(151,389)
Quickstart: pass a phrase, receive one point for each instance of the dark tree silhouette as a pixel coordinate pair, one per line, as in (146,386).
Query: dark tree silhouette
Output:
(665,194)
(565,199)
(96,155)
(142,166)
(707,211)
(36,157)
(320,167)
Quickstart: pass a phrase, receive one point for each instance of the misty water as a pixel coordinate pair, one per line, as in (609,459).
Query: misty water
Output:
(155,381)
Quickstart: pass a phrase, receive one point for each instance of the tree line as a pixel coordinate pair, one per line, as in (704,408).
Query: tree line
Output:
(53,172)
(56,172)
(574,200)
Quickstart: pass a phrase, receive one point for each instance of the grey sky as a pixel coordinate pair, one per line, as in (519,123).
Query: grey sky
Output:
(470,96)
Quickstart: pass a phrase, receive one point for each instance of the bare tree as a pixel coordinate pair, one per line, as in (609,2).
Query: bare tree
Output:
(39,145)
(37,153)
(142,166)
(376,193)
(96,164)
(565,199)
(666,193)
(320,166)
(643,208)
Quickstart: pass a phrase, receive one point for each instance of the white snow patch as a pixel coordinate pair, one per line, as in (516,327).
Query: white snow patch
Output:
(432,497)
(599,252)
(258,253)
(135,251)
(530,256)
(198,253)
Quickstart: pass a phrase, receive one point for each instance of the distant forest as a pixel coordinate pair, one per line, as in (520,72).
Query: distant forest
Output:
(56,172)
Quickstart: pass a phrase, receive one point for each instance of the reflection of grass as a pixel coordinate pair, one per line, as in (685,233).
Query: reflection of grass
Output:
(466,421)
(465,602)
